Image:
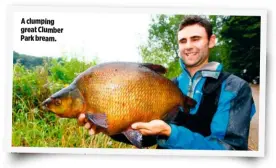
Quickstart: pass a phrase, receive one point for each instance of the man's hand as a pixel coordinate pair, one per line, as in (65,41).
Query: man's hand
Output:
(154,127)
(83,122)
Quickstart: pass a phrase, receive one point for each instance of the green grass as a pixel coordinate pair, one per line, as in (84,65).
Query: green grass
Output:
(33,130)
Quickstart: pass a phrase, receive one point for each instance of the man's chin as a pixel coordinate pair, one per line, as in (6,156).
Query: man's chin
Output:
(191,64)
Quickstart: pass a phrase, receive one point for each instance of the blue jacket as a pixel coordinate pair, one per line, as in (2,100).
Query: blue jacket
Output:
(231,122)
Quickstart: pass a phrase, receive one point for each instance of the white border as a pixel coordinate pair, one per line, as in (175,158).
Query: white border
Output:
(137,9)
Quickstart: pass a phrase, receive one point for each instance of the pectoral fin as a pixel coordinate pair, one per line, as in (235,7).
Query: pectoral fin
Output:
(134,136)
(99,119)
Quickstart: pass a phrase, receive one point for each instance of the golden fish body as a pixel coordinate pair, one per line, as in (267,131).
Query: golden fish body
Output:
(127,93)
(117,94)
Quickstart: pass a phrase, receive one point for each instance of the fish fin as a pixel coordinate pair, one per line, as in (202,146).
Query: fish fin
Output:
(99,119)
(188,104)
(134,136)
(171,115)
(155,67)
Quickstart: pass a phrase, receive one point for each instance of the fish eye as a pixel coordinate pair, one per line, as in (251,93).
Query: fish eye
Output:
(57,102)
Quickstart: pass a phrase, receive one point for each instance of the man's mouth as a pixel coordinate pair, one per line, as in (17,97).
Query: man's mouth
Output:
(191,54)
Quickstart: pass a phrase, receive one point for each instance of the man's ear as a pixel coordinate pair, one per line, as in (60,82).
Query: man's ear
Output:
(212,41)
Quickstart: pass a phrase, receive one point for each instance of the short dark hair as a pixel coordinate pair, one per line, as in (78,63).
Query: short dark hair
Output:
(194,19)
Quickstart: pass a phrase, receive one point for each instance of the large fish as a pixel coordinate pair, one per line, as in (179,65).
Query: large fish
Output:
(115,95)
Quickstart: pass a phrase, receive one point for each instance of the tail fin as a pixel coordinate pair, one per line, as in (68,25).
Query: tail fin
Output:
(188,103)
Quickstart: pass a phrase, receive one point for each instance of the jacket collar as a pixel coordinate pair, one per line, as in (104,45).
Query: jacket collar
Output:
(212,69)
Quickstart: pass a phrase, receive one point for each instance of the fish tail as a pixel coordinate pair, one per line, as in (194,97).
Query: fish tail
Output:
(187,103)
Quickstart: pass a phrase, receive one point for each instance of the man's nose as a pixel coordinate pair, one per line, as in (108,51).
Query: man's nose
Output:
(188,45)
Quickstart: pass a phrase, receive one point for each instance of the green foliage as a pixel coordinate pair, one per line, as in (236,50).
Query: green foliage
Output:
(29,61)
(51,131)
(162,47)
(242,35)
(64,71)
(29,87)
(220,53)
(162,32)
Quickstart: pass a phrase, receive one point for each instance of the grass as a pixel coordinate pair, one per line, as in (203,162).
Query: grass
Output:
(33,130)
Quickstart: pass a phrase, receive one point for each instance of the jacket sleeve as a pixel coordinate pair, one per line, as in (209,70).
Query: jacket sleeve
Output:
(229,126)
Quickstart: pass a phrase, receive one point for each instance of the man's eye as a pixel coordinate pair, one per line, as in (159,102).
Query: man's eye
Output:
(182,41)
(195,39)
(57,102)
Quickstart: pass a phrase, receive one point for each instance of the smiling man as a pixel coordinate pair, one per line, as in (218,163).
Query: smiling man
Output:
(221,118)
(194,44)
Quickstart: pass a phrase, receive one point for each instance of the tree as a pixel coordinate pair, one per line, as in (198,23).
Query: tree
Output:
(29,61)
(242,35)
(162,47)
(220,52)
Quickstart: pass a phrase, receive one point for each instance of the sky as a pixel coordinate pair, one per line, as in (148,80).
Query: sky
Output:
(108,36)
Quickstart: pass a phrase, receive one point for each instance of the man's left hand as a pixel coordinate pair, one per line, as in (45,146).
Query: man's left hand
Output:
(154,127)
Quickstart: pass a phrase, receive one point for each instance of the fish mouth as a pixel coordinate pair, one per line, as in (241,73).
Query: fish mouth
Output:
(45,104)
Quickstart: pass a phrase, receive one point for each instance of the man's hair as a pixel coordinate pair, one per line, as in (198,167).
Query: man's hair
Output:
(193,20)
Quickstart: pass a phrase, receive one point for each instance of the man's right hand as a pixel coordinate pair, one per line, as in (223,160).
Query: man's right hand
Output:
(82,121)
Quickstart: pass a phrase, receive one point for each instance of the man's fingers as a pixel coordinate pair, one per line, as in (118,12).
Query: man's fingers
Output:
(93,130)
(81,119)
(140,125)
(145,131)
(87,125)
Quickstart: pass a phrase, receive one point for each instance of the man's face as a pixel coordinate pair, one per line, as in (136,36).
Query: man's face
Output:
(194,45)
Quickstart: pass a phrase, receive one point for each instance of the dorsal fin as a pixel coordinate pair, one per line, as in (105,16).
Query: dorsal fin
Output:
(155,67)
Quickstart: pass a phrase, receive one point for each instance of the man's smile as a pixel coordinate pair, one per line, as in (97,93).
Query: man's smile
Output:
(191,54)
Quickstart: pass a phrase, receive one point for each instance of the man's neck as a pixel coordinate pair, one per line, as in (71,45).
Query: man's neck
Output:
(193,70)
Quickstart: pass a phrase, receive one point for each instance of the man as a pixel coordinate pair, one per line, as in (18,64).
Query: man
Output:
(221,118)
